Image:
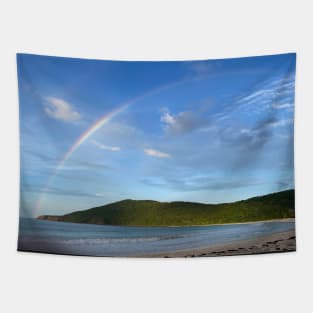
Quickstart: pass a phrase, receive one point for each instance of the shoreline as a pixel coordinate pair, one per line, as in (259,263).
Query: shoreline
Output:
(277,242)
(283,240)
(279,220)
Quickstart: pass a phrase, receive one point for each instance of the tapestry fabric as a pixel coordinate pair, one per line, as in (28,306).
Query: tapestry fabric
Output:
(156,158)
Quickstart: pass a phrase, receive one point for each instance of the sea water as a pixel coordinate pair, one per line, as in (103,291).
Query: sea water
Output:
(103,240)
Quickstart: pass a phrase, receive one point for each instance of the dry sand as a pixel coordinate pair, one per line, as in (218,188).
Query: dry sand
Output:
(279,242)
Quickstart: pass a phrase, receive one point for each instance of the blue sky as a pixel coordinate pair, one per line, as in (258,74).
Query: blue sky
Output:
(210,131)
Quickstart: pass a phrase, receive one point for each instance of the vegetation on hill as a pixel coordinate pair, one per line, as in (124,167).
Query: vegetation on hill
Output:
(153,213)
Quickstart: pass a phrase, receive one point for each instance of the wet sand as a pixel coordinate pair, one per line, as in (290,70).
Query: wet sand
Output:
(279,242)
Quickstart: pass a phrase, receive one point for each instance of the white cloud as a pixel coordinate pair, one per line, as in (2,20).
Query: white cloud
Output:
(61,110)
(183,122)
(283,106)
(156,153)
(104,147)
(168,119)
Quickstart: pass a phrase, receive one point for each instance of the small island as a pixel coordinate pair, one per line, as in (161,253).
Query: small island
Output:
(273,206)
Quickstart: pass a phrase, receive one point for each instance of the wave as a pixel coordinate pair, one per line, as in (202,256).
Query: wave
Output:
(96,241)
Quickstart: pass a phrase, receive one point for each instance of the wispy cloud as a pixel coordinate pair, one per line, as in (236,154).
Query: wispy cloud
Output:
(282,106)
(201,183)
(59,109)
(200,69)
(267,124)
(252,139)
(156,153)
(70,171)
(104,147)
(60,191)
(274,93)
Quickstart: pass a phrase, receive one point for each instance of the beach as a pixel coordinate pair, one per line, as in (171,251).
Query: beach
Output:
(278,242)
(127,241)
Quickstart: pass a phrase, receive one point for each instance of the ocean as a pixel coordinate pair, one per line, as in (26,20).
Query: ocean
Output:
(102,240)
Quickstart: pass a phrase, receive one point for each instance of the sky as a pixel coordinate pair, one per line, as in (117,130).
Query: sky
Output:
(94,132)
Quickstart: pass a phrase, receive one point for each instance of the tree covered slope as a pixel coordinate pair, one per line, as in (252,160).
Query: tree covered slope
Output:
(153,213)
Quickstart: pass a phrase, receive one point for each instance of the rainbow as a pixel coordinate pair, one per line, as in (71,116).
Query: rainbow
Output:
(95,127)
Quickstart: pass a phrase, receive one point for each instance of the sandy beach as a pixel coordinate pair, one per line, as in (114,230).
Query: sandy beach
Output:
(279,242)
(102,240)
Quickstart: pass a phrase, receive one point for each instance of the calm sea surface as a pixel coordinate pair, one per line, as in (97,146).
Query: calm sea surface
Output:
(101,240)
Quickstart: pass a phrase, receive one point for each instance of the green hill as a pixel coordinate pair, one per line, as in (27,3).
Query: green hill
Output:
(153,213)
